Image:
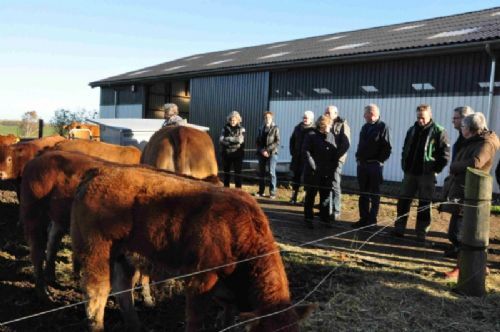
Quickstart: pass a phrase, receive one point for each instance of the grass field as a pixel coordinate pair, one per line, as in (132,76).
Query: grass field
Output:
(14,127)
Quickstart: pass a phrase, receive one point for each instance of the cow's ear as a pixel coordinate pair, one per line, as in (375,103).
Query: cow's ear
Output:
(244,316)
(304,310)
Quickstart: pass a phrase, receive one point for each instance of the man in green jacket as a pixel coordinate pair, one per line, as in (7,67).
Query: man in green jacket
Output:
(426,152)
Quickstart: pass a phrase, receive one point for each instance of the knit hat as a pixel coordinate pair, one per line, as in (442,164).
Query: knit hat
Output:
(309,115)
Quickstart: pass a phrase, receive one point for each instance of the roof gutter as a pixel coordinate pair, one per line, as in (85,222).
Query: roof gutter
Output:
(491,89)
(411,52)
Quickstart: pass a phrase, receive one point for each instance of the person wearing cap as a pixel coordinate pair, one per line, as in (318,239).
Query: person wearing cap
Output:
(296,140)
(232,141)
(171,115)
(342,133)
(268,142)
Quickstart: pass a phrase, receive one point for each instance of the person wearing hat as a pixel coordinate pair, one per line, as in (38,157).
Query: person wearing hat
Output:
(296,140)
(171,115)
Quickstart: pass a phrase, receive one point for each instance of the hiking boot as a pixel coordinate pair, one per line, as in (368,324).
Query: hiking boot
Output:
(258,194)
(272,196)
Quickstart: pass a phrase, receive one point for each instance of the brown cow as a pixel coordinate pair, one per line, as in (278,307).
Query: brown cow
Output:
(8,139)
(126,154)
(47,189)
(14,157)
(185,226)
(182,150)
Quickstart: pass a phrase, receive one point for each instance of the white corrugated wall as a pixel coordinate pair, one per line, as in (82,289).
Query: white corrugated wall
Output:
(398,113)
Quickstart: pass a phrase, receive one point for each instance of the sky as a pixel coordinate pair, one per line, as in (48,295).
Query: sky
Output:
(51,50)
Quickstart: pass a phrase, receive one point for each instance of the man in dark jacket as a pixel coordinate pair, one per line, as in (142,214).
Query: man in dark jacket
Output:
(268,141)
(459,114)
(426,152)
(374,148)
(296,140)
(342,133)
(320,160)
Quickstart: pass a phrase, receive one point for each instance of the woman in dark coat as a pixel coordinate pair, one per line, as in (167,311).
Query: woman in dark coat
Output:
(478,151)
(232,141)
(321,160)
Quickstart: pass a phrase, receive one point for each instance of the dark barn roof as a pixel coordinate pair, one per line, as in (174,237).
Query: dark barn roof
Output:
(431,34)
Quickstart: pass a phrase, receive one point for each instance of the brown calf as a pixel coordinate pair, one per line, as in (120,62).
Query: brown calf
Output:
(47,190)
(185,226)
(106,151)
(182,150)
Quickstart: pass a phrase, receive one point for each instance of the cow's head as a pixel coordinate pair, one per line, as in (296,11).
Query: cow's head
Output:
(12,160)
(283,319)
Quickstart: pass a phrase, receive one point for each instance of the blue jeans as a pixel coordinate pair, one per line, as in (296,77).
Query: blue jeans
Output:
(263,161)
(336,189)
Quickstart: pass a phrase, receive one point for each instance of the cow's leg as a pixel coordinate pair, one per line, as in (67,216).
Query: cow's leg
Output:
(96,282)
(123,282)
(143,279)
(197,295)
(35,230)
(56,233)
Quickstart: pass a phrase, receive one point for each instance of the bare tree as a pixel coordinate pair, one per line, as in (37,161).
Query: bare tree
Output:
(29,124)
(64,117)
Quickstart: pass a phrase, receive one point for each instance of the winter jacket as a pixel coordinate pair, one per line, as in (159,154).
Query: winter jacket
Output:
(374,143)
(232,140)
(269,142)
(320,156)
(174,121)
(296,140)
(434,145)
(342,134)
(477,152)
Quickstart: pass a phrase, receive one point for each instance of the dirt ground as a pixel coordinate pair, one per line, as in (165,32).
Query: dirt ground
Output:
(361,280)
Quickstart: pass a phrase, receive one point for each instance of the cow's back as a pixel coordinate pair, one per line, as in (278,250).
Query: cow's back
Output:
(104,151)
(46,142)
(183,150)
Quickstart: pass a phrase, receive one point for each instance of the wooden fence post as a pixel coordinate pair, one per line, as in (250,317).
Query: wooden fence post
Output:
(40,128)
(475,232)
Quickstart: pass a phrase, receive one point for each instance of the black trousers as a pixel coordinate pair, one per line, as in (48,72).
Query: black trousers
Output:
(369,179)
(322,185)
(236,161)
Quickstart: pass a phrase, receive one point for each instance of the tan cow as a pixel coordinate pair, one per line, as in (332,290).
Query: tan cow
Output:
(182,150)
(106,151)
(8,139)
(185,226)
(76,126)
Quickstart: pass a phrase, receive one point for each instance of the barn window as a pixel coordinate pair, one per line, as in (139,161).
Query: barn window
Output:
(422,86)
(487,84)
(369,88)
(322,91)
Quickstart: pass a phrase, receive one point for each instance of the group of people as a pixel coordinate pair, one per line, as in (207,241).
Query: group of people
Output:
(319,151)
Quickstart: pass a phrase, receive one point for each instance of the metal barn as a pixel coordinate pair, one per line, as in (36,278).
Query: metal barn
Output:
(445,62)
